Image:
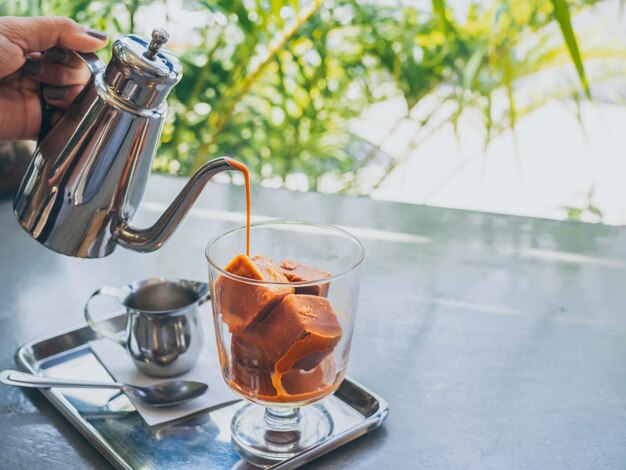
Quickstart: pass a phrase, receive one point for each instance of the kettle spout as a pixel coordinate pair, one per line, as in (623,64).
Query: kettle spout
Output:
(153,238)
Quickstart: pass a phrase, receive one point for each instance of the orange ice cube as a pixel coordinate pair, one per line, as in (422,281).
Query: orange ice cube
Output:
(251,381)
(300,332)
(322,376)
(242,303)
(297,272)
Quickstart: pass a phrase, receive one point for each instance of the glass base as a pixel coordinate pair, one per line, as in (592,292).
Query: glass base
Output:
(265,436)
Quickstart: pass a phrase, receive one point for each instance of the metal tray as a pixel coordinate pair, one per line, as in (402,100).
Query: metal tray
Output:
(110,422)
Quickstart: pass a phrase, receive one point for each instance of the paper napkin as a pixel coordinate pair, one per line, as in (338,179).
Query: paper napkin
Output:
(118,363)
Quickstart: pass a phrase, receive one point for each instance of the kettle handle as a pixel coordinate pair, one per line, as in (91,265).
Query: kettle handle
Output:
(94,63)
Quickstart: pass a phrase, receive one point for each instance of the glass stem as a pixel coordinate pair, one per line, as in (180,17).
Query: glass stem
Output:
(282,419)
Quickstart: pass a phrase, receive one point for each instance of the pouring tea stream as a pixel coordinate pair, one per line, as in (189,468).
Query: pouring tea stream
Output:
(88,174)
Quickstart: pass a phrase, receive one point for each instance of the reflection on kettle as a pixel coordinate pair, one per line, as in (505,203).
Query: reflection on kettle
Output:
(89,171)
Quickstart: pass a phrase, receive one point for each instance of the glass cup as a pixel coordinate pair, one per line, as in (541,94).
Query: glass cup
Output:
(284,346)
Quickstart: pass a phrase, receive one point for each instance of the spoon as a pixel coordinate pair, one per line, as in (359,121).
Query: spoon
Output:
(167,393)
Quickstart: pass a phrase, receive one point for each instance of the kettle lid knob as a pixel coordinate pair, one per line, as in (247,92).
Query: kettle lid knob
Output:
(159,37)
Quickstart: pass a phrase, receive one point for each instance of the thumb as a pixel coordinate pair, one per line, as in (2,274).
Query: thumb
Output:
(32,34)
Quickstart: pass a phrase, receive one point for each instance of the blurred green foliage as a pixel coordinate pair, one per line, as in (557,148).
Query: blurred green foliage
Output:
(276,83)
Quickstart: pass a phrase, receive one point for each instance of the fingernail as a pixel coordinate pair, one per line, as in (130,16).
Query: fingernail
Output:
(97,34)
(54,93)
(32,67)
(56,54)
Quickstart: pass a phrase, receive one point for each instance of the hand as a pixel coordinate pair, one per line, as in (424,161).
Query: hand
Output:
(24,65)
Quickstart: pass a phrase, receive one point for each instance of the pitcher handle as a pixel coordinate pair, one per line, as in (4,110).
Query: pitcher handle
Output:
(94,63)
(110,292)
(205,293)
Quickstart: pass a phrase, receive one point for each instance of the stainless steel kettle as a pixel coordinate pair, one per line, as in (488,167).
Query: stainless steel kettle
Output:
(89,171)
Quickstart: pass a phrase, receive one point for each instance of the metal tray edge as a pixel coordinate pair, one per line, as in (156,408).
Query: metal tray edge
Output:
(64,407)
(370,423)
(85,429)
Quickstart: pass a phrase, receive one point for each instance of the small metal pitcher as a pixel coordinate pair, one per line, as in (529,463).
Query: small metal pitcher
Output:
(163,332)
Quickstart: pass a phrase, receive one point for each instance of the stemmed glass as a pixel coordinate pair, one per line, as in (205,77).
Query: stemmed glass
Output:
(283,346)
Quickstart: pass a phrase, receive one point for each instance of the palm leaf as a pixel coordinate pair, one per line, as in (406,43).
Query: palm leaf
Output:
(561,13)
(439,7)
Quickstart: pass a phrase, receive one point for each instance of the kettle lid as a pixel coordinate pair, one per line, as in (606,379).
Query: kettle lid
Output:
(141,73)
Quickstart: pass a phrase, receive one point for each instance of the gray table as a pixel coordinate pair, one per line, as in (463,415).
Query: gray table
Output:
(499,342)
